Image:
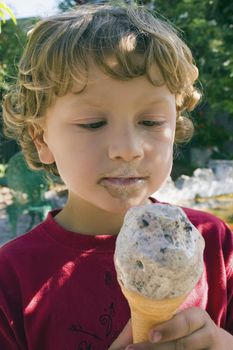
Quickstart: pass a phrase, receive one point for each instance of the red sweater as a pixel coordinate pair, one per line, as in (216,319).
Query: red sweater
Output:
(58,289)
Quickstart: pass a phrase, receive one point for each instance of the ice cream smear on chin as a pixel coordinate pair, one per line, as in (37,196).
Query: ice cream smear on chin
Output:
(159,253)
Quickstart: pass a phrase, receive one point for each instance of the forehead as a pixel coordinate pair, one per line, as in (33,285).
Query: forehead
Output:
(102,84)
(106,94)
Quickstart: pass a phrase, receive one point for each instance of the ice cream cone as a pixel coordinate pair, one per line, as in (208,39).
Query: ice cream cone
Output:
(158,260)
(147,313)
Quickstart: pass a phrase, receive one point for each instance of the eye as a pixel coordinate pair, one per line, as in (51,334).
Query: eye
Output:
(151,123)
(93,126)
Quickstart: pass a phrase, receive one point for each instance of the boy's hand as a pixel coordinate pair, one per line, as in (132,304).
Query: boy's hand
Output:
(125,338)
(191,329)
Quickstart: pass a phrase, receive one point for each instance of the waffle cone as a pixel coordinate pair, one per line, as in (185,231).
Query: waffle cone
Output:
(147,313)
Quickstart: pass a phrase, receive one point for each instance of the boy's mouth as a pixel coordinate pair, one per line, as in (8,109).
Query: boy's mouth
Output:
(124,187)
(123,181)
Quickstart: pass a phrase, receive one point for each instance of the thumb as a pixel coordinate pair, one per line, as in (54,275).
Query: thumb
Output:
(125,338)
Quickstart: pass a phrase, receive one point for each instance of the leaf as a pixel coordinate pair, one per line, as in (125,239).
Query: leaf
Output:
(2,15)
(8,10)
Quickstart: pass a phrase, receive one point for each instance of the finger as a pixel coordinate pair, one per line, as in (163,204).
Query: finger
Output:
(125,338)
(203,338)
(182,324)
(196,341)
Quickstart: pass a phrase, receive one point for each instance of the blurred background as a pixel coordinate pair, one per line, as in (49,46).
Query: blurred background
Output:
(203,169)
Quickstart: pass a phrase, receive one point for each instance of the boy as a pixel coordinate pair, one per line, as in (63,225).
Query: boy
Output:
(99,100)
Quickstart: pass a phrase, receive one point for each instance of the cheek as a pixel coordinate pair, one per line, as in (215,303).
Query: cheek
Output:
(76,163)
(163,166)
(163,146)
(164,160)
(161,160)
(169,134)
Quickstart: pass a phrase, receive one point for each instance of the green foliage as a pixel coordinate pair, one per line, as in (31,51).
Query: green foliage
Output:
(3,168)
(66,5)
(12,42)
(3,180)
(207,28)
(28,192)
(4,9)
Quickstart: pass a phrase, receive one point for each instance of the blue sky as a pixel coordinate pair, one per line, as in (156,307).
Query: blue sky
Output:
(28,8)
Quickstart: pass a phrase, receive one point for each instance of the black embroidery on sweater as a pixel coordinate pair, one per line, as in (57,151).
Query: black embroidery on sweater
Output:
(84,346)
(79,329)
(106,319)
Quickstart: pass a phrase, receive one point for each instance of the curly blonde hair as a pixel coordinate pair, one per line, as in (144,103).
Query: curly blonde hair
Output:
(58,51)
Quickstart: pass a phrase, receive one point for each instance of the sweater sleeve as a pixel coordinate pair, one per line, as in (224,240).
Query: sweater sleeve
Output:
(228,245)
(218,257)
(11,320)
(7,338)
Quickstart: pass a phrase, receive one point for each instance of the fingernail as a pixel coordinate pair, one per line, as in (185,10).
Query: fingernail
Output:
(156,336)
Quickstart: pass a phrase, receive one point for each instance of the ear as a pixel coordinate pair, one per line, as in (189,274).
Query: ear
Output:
(44,153)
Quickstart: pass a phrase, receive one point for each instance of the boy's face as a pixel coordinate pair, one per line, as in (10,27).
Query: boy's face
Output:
(112,143)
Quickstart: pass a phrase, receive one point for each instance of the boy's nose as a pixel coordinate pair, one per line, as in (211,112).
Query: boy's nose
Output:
(126,146)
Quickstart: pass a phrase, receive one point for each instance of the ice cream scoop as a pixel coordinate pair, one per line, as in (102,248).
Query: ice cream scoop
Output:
(159,260)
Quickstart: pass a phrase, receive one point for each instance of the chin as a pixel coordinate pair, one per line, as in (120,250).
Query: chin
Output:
(122,206)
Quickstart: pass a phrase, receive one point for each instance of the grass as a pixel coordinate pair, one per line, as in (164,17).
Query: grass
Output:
(223,209)
(226,214)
